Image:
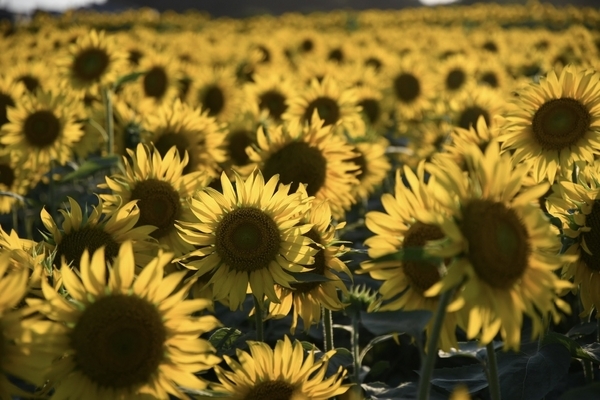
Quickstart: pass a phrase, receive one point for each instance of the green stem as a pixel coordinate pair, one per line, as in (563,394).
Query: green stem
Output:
(432,344)
(327,329)
(52,190)
(587,371)
(258,318)
(355,348)
(15,218)
(110,130)
(493,379)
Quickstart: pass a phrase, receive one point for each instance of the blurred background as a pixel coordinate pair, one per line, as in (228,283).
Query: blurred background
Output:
(242,8)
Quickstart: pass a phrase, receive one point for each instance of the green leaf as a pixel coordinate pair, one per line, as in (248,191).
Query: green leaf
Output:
(574,348)
(532,373)
(586,392)
(127,78)
(471,350)
(409,254)
(90,167)
(308,346)
(383,322)
(473,376)
(372,344)
(224,338)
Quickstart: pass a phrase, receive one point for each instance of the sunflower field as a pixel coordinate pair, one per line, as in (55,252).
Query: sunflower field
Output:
(345,205)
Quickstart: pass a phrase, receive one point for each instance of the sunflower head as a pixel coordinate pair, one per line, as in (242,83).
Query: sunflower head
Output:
(90,231)
(508,248)
(123,332)
(266,377)
(242,235)
(557,118)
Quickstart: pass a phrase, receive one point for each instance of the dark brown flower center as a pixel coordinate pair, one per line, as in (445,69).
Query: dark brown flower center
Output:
(7,175)
(236,146)
(455,79)
(490,46)
(307,45)
(156,82)
(74,243)
(560,123)
(30,82)
(159,205)
(274,102)
(490,78)
(319,267)
(498,242)
(373,62)
(134,56)
(371,109)
(213,100)
(5,102)
(592,238)
(336,55)
(421,275)
(469,116)
(327,108)
(247,239)
(406,87)
(41,128)
(297,163)
(361,163)
(271,390)
(90,64)
(182,144)
(118,341)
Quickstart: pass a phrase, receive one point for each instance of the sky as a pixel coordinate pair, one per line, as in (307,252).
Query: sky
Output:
(27,6)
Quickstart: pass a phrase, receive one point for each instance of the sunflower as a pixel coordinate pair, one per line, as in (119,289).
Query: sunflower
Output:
(10,94)
(251,235)
(577,205)
(215,91)
(42,129)
(119,337)
(307,298)
(15,337)
(241,134)
(334,103)
(455,74)
(374,110)
(504,250)
(269,94)
(92,61)
(159,84)
(556,122)
(282,373)
(475,101)
(411,88)
(409,220)
(373,166)
(479,134)
(489,71)
(160,188)
(27,255)
(13,179)
(81,232)
(33,75)
(189,130)
(312,155)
